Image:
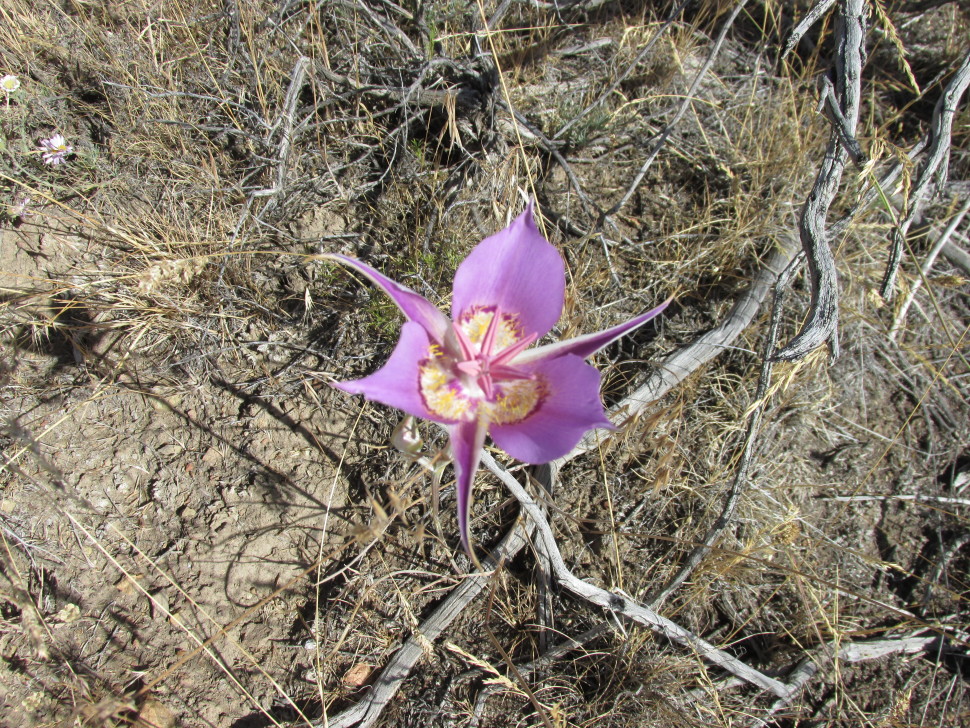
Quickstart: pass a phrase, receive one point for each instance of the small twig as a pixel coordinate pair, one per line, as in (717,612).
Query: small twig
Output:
(823,317)
(926,268)
(620,605)
(812,17)
(282,156)
(286,134)
(904,497)
(934,168)
(740,478)
(391,30)
(681,110)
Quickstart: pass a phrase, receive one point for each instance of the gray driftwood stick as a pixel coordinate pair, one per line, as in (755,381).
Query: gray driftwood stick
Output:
(700,552)
(817,11)
(688,359)
(823,317)
(934,168)
(623,606)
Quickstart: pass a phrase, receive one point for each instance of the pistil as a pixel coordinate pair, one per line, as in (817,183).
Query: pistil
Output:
(486,366)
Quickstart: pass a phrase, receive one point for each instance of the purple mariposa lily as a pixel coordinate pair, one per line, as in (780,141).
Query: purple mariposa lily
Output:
(474,372)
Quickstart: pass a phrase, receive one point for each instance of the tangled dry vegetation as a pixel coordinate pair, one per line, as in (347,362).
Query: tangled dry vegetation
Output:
(198,531)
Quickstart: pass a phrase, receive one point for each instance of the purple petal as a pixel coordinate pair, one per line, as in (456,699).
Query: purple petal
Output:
(467,440)
(396,383)
(517,270)
(415,306)
(587,345)
(572,407)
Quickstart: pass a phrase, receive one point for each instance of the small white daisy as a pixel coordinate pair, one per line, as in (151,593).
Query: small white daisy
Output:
(55,150)
(9,84)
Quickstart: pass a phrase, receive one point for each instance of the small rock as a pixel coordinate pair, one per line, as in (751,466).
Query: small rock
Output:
(69,613)
(154,714)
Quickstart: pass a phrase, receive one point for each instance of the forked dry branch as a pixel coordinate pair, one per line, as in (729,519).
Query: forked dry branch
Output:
(621,605)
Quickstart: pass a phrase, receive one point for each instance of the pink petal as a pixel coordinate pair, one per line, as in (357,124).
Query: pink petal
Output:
(467,440)
(396,383)
(572,407)
(517,270)
(415,306)
(587,345)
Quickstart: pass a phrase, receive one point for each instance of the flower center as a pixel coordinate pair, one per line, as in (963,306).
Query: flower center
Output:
(486,359)
(475,376)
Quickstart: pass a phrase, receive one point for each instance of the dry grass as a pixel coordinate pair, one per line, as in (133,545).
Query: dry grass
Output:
(197,530)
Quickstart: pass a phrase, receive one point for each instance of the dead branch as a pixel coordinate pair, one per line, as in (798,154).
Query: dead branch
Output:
(818,10)
(620,605)
(741,475)
(823,317)
(286,133)
(902,497)
(688,359)
(934,168)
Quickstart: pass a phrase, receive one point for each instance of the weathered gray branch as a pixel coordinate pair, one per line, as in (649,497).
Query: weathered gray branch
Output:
(741,475)
(623,606)
(823,317)
(812,17)
(934,168)
(688,359)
